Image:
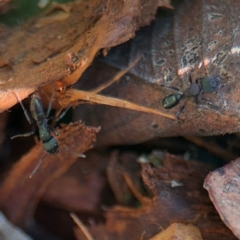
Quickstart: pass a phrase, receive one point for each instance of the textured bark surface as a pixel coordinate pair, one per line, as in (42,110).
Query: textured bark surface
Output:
(60,45)
(178,197)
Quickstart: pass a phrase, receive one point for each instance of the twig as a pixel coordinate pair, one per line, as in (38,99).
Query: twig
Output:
(74,95)
(139,196)
(212,147)
(81,226)
(92,96)
(116,77)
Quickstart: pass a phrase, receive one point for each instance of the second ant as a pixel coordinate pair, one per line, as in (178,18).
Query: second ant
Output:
(201,85)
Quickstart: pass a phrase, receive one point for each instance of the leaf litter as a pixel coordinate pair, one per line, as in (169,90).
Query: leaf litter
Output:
(171,192)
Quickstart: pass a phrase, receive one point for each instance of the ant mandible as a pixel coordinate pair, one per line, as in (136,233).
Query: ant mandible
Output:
(201,85)
(49,143)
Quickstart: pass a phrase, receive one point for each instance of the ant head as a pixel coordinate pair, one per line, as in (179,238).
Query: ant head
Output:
(210,84)
(51,146)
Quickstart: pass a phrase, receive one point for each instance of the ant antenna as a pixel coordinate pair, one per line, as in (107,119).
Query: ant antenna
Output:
(38,165)
(24,109)
(41,159)
(180,110)
(51,101)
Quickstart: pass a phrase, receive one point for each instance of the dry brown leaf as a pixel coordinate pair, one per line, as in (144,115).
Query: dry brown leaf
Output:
(81,187)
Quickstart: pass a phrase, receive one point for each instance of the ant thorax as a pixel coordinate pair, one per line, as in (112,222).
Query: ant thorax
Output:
(193,91)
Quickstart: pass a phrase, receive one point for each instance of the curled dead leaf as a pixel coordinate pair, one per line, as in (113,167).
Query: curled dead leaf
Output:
(78,31)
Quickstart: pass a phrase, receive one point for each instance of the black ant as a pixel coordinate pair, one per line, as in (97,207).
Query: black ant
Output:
(201,85)
(50,144)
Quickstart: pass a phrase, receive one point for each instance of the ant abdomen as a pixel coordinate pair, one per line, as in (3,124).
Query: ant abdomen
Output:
(51,145)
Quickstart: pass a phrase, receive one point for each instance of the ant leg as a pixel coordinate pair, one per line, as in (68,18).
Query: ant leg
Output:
(53,130)
(190,79)
(57,118)
(26,134)
(180,110)
(38,165)
(61,115)
(172,88)
(196,99)
(29,119)
(41,160)
(209,105)
(77,154)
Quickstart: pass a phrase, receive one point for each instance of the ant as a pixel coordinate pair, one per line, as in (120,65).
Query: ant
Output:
(201,85)
(49,143)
